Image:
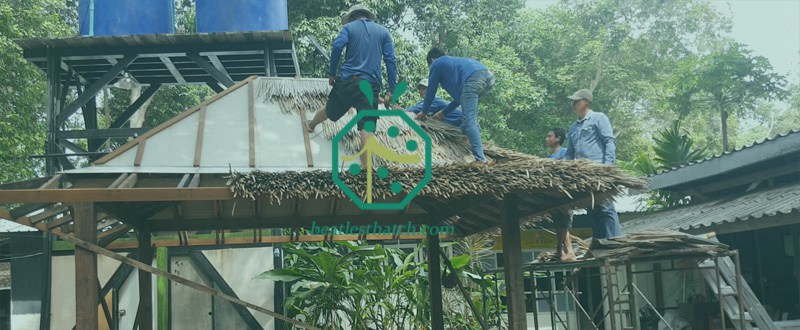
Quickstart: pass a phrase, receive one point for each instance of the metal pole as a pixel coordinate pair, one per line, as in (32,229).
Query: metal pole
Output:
(535,296)
(610,294)
(739,289)
(632,296)
(651,306)
(575,299)
(552,300)
(719,294)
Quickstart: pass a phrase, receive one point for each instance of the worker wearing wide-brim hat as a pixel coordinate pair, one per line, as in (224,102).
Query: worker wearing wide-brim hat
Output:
(367,43)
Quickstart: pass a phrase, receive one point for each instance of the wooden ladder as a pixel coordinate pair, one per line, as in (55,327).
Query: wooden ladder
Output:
(724,284)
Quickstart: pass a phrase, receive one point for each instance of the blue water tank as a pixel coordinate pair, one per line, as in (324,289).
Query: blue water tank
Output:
(124,17)
(241,15)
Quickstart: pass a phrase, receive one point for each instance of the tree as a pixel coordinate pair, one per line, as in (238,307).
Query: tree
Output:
(728,81)
(22,86)
(673,148)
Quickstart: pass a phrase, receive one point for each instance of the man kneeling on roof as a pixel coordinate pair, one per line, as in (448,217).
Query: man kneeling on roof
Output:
(452,117)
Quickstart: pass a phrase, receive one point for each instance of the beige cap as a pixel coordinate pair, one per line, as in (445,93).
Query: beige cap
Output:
(357,8)
(423,82)
(583,94)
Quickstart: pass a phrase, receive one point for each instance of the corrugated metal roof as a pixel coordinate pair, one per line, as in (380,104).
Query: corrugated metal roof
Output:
(752,206)
(754,144)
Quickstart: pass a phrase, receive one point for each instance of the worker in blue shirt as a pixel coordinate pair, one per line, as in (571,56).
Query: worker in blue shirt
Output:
(466,80)
(452,118)
(554,141)
(367,43)
(561,218)
(591,137)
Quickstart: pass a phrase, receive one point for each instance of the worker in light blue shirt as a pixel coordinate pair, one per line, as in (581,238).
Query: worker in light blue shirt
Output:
(452,117)
(367,43)
(555,140)
(591,137)
(466,80)
(561,218)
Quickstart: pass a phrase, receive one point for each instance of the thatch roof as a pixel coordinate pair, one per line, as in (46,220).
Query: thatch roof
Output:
(549,179)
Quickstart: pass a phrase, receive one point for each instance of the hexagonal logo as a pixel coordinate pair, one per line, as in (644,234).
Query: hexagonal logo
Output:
(412,154)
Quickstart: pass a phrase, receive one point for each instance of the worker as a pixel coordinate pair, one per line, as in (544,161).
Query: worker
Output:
(466,80)
(561,218)
(366,43)
(591,137)
(452,118)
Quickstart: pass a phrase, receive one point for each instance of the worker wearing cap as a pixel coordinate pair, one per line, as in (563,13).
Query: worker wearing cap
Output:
(452,117)
(591,137)
(367,43)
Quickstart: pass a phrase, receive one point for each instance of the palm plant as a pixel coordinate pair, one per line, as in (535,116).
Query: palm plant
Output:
(673,148)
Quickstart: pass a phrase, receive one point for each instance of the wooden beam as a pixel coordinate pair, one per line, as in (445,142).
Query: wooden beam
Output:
(288,222)
(513,268)
(115,195)
(177,279)
(251,123)
(53,183)
(198,144)
(435,283)
(86,291)
(145,311)
(127,245)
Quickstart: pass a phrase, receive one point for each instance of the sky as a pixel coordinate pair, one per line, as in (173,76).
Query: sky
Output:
(771,28)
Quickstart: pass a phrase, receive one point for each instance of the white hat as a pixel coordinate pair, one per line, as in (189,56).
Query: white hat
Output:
(423,82)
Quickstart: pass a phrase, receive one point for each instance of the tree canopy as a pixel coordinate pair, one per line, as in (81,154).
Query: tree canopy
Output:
(649,63)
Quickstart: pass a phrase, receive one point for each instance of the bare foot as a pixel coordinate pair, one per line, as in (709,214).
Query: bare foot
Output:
(568,257)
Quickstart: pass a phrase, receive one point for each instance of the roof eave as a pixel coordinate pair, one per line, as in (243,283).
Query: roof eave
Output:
(783,146)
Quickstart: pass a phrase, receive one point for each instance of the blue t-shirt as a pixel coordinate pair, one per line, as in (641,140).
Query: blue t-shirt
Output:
(452,118)
(560,154)
(366,43)
(451,72)
(592,138)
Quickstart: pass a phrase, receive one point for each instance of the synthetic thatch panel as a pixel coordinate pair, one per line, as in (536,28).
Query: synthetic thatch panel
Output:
(532,175)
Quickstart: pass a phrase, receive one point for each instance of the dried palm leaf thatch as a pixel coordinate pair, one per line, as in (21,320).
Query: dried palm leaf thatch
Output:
(536,176)
(293,95)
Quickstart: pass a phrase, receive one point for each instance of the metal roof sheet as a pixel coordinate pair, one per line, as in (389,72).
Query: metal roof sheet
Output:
(751,206)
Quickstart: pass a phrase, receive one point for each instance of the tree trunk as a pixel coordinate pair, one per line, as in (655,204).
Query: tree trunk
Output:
(724,117)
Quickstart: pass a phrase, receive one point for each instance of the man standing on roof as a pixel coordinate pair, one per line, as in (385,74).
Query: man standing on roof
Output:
(452,118)
(466,80)
(367,43)
(592,137)
(562,219)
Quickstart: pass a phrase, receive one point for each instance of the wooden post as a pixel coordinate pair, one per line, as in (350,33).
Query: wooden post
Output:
(435,283)
(86,291)
(145,312)
(512,253)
